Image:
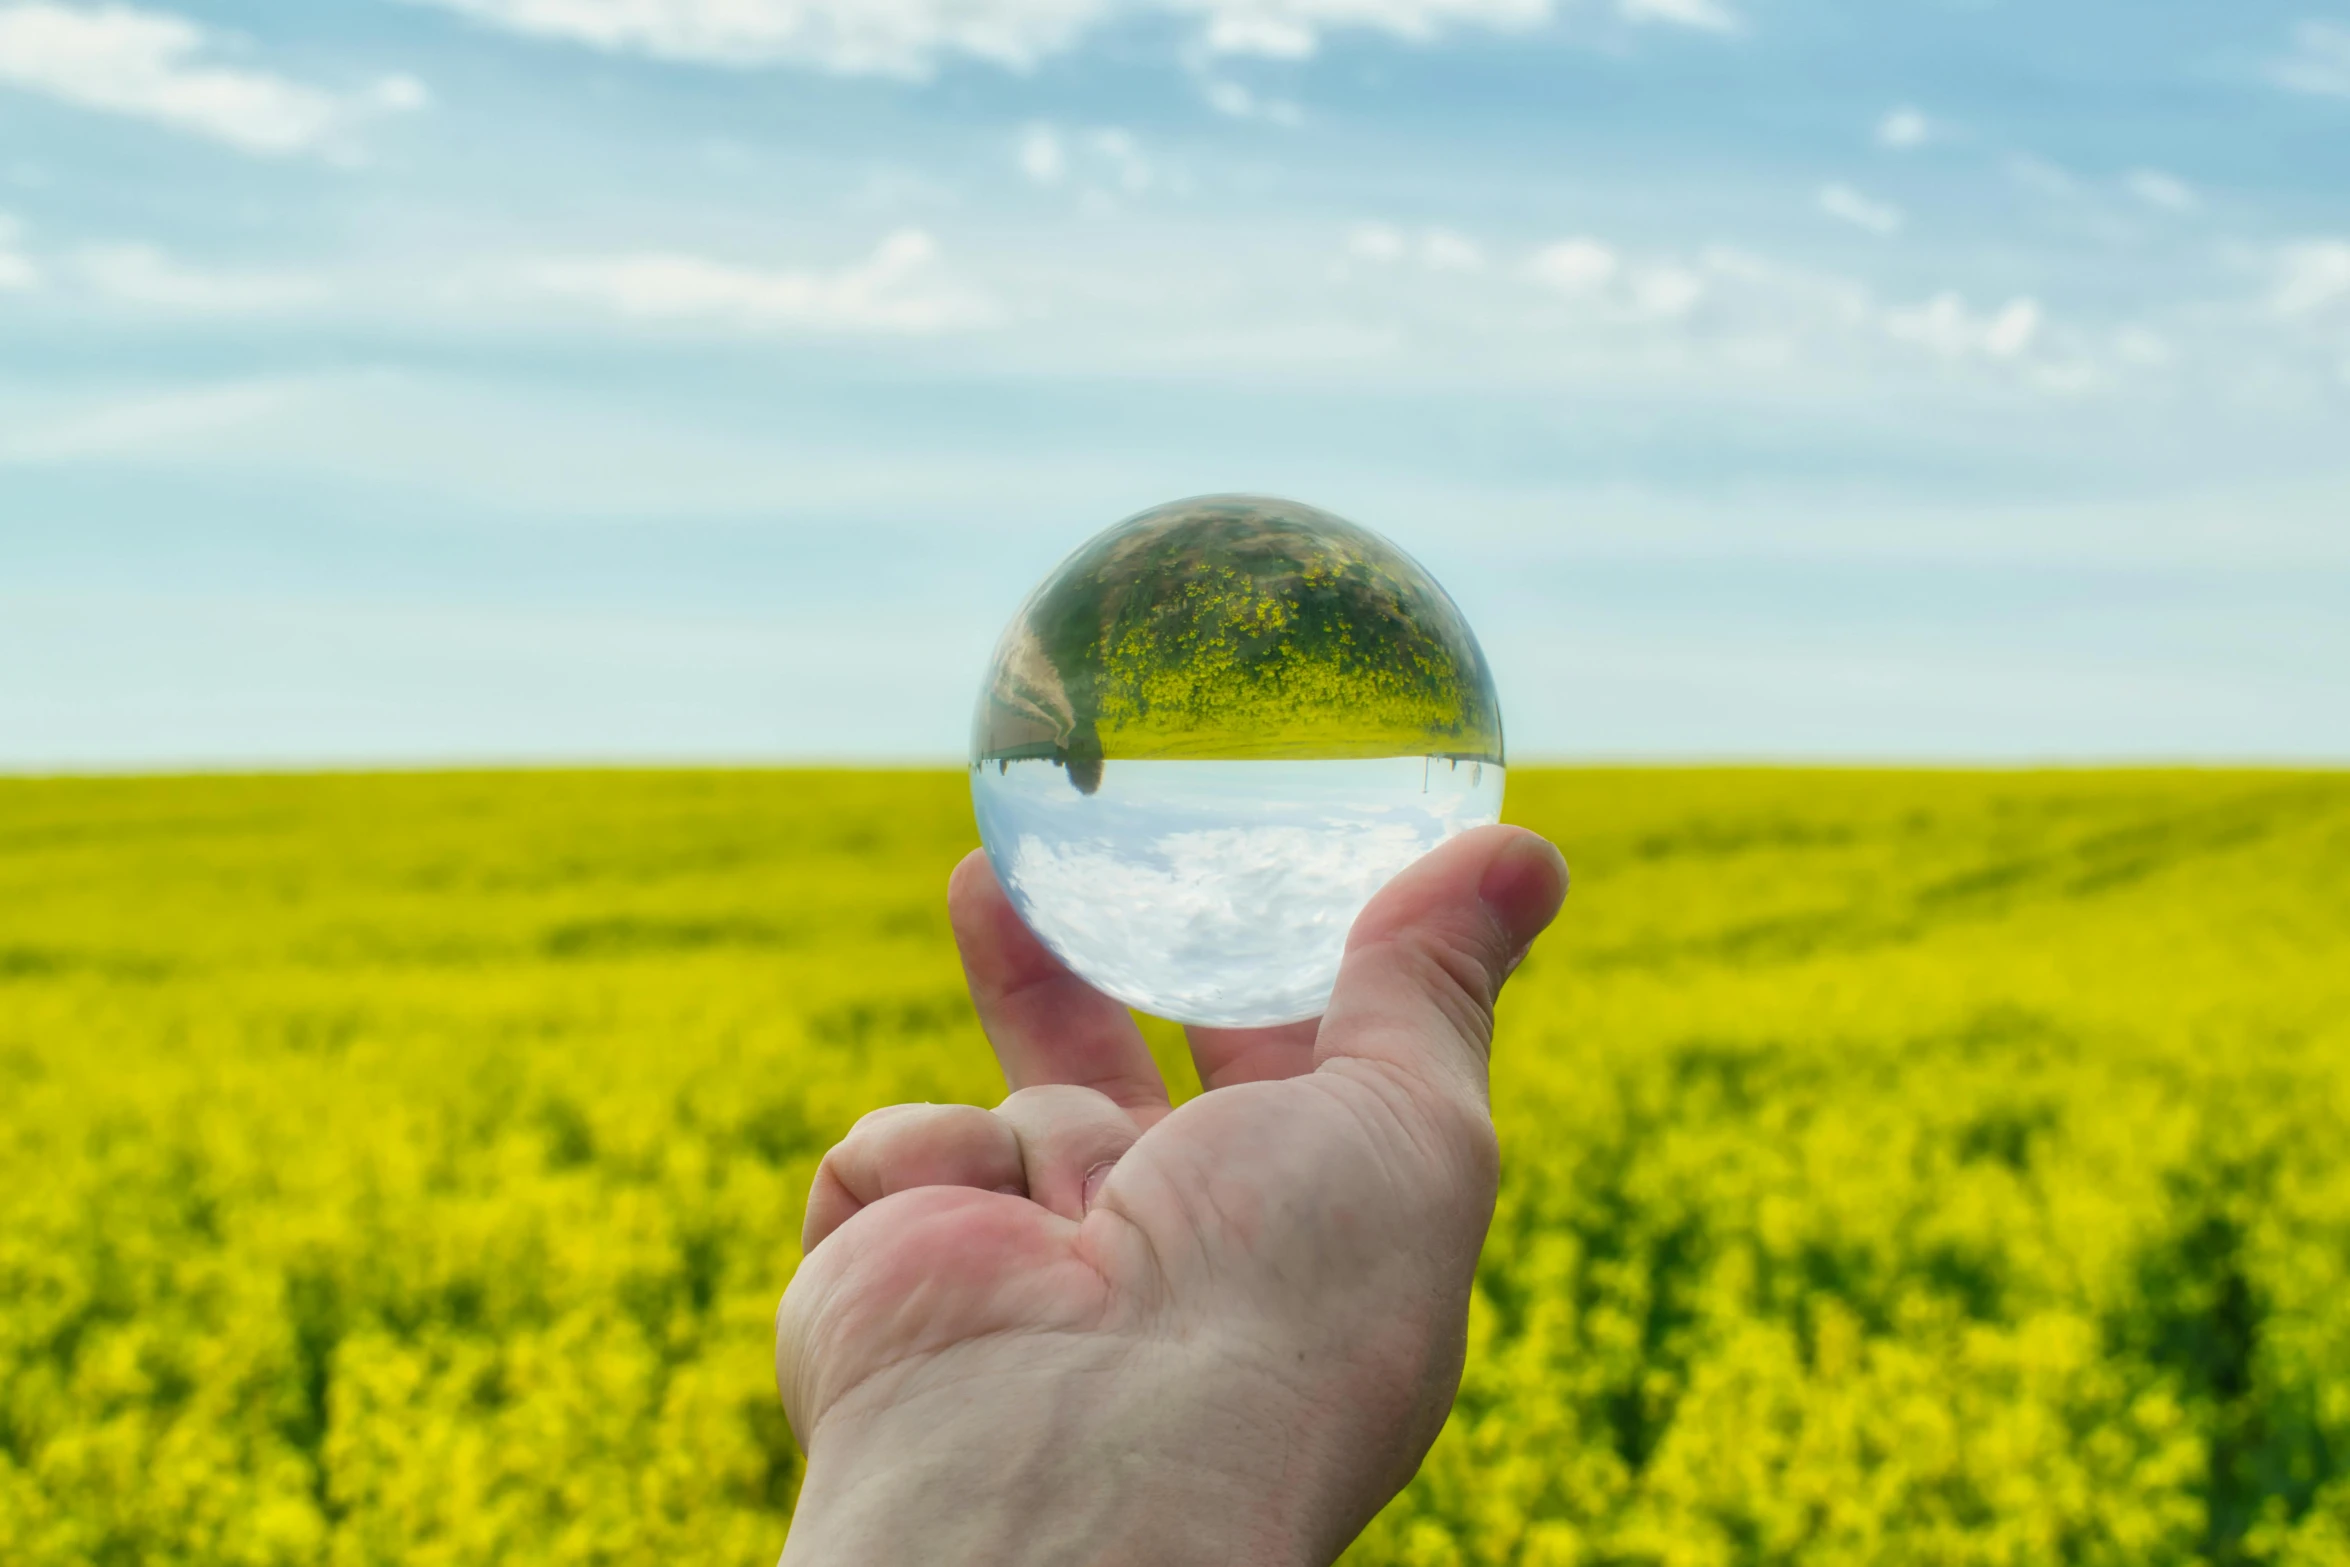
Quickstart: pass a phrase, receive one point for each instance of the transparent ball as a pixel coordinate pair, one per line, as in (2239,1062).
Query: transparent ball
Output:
(1211,735)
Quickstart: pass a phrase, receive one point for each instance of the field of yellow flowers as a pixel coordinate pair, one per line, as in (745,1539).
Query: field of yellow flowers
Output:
(1919,1168)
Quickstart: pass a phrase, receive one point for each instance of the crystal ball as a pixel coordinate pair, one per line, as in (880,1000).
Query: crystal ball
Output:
(1210,736)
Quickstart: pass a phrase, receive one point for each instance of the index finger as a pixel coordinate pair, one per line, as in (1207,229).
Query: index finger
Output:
(1046,1024)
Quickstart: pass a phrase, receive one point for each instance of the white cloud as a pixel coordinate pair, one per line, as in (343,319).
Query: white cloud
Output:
(1122,156)
(2038,174)
(1231,98)
(1106,163)
(910,38)
(140,275)
(900,289)
(1375,242)
(151,65)
(2320,61)
(1666,293)
(853,37)
(1709,16)
(1847,205)
(17,272)
(1904,128)
(2142,349)
(1576,267)
(1293,29)
(2166,191)
(2312,277)
(1594,276)
(1441,250)
(1436,249)
(1042,158)
(1944,326)
(144,423)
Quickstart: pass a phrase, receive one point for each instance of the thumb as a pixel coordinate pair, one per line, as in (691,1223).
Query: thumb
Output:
(1427,958)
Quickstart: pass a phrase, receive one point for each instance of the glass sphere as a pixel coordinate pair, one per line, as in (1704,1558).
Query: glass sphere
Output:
(1211,735)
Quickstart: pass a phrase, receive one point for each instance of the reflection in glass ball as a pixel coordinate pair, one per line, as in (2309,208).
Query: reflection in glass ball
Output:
(1211,735)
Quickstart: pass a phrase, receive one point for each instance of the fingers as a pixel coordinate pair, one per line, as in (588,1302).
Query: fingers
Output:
(1046,1024)
(1069,1140)
(906,1146)
(1053,1144)
(1226,1056)
(1426,960)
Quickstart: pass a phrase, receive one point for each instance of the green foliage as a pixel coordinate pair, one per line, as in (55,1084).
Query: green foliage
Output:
(1236,626)
(1917,1168)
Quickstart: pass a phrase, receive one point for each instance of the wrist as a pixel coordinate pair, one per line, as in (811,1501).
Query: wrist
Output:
(1045,1469)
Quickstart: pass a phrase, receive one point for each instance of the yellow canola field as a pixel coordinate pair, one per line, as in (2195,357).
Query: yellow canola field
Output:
(1933,1168)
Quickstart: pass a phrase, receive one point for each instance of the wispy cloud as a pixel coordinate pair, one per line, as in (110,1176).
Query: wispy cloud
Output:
(143,276)
(901,289)
(145,422)
(1709,16)
(1104,164)
(1232,99)
(1594,276)
(911,38)
(17,272)
(2164,191)
(156,66)
(1945,327)
(1847,205)
(1293,29)
(852,37)
(1042,156)
(1436,249)
(2041,176)
(2311,277)
(1904,128)
(2319,62)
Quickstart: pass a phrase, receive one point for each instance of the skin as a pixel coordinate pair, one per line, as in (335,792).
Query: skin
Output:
(1084,1328)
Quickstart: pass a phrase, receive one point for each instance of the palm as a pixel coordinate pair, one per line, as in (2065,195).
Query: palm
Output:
(1288,1222)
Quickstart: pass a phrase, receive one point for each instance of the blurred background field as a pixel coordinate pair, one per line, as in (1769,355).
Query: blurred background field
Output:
(1918,1167)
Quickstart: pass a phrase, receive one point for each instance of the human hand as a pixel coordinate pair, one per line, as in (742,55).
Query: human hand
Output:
(1085,1328)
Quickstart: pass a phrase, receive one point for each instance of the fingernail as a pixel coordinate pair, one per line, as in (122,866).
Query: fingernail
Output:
(1011,1191)
(1525,885)
(1094,1178)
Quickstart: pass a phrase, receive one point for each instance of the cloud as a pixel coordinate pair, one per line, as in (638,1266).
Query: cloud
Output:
(1121,156)
(1594,276)
(17,272)
(1042,158)
(1231,98)
(150,65)
(1577,267)
(911,38)
(1293,29)
(1904,128)
(146,422)
(2038,174)
(2320,61)
(1436,249)
(2312,277)
(900,289)
(1441,250)
(2165,191)
(1847,205)
(851,37)
(1709,16)
(1944,326)
(140,275)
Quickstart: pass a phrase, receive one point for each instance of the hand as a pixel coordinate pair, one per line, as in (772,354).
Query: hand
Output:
(1082,1327)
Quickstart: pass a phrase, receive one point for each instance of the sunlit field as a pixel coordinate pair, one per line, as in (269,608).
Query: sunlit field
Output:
(1901,1167)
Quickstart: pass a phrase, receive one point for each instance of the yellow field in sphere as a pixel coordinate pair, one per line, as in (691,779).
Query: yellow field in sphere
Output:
(1901,1168)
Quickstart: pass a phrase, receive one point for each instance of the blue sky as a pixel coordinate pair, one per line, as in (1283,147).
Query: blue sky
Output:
(421,380)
